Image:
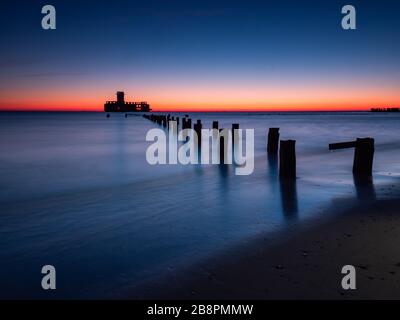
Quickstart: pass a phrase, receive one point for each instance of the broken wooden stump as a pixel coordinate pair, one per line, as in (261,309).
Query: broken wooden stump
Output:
(223,147)
(273,140)
(363,154)
(235,135)
(197,128)
(215,125)
(287,159)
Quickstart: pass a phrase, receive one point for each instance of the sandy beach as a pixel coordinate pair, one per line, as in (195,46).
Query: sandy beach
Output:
(305,263)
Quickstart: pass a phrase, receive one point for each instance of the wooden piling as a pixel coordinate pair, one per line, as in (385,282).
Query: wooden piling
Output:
(235,135)
(364,156)
(273,140)
(287,159)
(222,147)
(197,128)
(215,125)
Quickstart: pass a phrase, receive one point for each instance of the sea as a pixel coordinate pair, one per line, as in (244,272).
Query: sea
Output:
(77,193)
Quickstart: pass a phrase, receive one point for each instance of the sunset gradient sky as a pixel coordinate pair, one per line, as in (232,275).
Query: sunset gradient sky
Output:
(200,55)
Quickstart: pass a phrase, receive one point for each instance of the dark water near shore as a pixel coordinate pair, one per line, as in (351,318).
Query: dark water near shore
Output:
(77,193)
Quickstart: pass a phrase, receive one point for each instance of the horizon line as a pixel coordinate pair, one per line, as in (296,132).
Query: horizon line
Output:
(190,111)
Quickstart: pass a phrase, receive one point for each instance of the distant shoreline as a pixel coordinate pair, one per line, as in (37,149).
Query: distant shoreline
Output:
(187,111)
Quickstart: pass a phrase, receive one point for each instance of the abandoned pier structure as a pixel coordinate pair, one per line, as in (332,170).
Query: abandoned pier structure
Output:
(122,106)
(285,150)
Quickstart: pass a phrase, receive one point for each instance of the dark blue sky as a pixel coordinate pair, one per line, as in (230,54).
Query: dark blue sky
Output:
(253,54)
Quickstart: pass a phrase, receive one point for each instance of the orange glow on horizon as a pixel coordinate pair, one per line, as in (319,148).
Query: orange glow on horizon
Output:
(206,99)
(198,108)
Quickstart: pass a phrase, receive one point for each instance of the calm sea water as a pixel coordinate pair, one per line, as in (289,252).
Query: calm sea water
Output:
(77,193)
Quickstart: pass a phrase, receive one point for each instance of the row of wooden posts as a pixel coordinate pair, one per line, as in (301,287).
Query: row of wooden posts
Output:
(363,154)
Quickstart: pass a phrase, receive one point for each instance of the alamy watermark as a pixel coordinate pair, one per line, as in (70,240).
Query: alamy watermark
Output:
(208,146)
(49,280)
(49,18)
(348,21)
(349,280)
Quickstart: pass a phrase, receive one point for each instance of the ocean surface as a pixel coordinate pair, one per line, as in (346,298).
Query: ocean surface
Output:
(77,193)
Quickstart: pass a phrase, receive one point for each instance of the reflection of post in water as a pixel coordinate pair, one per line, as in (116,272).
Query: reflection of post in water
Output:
(273,174)
(223,183)
(288,190)
(273,165)
(364,185)
(223,170)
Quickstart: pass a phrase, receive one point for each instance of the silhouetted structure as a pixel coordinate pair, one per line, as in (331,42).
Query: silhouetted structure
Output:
(363,154)
(197,127)
(235,135)
(122,106)
(385,109)
(223,147)
(273,140)
(287,159)
(186,123)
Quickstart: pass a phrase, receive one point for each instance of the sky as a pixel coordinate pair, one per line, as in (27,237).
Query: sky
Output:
(200,55)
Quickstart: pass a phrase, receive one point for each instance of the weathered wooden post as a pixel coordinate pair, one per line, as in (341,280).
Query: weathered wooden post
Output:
(273,140)
(189,123)
(177,123)
(197,128)
(235,138)
(235,134)
(215,125)
(221,147)
(363,154)
(287,159)
(168,118)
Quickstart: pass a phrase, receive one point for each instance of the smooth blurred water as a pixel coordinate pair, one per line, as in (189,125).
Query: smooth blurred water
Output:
(77,193)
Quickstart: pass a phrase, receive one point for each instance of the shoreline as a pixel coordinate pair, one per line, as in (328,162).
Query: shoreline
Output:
(305,263)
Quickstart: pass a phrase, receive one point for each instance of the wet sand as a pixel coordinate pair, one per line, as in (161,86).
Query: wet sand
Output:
(304,264)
